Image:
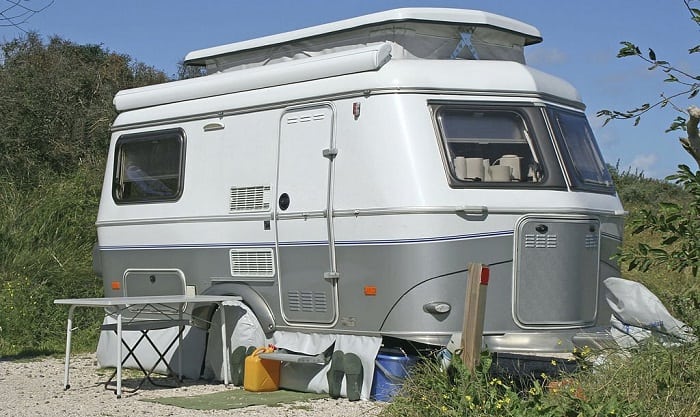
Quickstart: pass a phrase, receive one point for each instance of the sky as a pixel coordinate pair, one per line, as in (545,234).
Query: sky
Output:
(580,43)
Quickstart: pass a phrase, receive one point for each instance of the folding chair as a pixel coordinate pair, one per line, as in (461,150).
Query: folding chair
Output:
(144,326)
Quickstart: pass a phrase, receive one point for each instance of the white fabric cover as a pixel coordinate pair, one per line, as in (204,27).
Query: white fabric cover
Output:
(638,314)
(243,330)
(312,378)
(408,40)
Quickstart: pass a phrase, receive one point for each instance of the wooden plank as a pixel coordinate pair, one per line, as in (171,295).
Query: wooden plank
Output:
(474,308)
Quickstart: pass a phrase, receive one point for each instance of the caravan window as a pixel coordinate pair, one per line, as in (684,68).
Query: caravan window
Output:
(484,146)
(581,154)
(148,167)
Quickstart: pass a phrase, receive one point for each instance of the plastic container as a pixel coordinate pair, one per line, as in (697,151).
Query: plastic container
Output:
(391,368)
(261,374)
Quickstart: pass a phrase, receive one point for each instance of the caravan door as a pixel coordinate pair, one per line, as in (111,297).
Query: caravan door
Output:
(305,250)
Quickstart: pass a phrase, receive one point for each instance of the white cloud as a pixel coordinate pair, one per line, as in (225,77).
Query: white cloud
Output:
(644,163)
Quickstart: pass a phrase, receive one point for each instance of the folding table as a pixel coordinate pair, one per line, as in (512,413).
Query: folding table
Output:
(171,307)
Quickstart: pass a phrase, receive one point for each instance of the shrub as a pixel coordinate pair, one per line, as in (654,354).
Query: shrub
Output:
(46,238)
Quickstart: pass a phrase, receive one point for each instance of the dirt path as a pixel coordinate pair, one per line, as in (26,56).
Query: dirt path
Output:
(34,388)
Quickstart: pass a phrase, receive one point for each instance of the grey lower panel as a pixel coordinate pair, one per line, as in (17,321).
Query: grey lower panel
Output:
(404,277)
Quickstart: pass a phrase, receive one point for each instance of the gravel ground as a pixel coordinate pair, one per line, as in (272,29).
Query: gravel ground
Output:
(34,388)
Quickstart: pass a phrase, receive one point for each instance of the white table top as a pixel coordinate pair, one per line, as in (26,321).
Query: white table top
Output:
(140,300)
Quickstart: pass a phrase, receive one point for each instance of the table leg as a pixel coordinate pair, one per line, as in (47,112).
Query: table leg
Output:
(224,345)
(69,331)
(119,354)
(180,329)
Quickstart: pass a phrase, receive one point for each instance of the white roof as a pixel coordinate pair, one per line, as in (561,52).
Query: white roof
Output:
(432,33)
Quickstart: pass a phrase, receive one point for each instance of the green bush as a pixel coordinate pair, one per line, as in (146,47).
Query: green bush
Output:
(46,238)
(431,390)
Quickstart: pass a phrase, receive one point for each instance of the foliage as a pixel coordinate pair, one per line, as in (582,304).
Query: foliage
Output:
(639,191)
(56,109)
(56,104)
(432,391)
(46,237)
(676,224)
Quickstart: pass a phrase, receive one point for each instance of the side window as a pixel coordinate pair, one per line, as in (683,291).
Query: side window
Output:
(575,137)
(149,167)
(488,145)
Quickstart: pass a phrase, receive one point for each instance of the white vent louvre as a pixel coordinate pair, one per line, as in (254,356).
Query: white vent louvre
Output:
(252,263)
(305,118)
(307,301)
(540,241)
(255,198)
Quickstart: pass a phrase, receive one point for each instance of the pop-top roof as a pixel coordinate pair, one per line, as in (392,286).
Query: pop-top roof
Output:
(413,33)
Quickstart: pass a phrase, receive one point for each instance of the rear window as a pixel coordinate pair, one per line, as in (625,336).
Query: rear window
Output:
(149,167)
(583,158)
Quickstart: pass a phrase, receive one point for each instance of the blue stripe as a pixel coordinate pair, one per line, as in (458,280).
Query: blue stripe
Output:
(315,242)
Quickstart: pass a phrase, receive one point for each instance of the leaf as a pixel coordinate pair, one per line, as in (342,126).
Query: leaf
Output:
(667,205)
(669,240)
(694,49)
(643,249)
(652,54)
(633,264)
(628,49)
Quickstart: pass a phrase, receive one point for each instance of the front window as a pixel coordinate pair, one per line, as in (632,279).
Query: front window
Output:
(584,161)
(149,167)
(488,146)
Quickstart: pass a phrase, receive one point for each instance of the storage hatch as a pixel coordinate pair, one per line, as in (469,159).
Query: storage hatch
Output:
(556,271)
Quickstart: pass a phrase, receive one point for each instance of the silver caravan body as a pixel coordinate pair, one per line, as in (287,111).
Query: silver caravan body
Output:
(330,176)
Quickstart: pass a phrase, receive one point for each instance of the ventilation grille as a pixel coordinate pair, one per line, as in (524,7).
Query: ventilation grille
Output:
(540,241)
(244,199)
(305,118)
(591,241)
(252,263)
(307,301)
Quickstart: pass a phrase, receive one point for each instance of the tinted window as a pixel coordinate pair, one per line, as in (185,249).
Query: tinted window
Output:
(575,138)
(149,167)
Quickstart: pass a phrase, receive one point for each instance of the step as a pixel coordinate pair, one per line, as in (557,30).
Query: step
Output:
(294,357)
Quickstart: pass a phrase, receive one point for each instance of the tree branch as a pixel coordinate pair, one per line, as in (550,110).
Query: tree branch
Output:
(692,143)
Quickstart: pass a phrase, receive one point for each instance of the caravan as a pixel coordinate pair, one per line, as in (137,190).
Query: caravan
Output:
(340,178)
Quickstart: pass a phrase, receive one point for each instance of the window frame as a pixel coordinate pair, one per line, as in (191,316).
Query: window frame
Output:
(177,134)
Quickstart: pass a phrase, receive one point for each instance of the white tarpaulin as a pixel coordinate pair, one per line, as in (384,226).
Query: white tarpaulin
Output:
(312,378)
(639,314)
(243,330)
